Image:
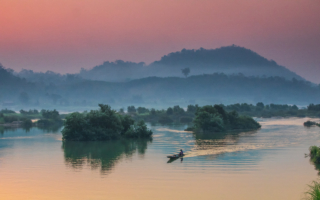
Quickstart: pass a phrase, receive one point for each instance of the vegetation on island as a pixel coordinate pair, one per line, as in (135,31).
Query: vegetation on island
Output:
(177,114)
(311,123)
(206,118)
(314,191)
(50,118)
(216,119)
(102,124)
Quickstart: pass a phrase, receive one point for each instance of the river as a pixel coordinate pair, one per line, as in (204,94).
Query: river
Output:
(265,164)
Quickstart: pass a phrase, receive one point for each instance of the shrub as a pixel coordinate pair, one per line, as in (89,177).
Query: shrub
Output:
(314,191)
(315,154)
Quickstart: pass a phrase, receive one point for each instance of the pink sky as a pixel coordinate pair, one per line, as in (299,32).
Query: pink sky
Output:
(66,35)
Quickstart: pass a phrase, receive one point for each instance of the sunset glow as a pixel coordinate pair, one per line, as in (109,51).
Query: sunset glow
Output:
(66,35)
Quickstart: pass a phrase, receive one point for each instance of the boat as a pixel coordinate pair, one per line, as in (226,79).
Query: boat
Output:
(176,156)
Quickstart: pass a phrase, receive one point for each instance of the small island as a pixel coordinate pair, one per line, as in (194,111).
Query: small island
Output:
(216,119)
(311,123)
(102,124)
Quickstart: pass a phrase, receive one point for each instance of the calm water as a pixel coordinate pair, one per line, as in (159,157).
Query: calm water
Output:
(264,164)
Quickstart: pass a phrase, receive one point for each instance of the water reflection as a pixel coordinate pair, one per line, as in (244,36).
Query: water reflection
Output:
(11,129)
(218,143)
(101,155)
(51,129)
(44,129)
(316,167)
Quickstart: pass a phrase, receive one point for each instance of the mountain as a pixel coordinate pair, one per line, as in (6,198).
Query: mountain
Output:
(229,60)
(225,56)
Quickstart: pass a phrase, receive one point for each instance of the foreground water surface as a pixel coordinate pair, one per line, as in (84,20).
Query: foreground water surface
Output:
(265,164)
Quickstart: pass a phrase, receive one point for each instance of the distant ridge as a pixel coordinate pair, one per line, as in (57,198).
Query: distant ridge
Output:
(229,55)
(229,59)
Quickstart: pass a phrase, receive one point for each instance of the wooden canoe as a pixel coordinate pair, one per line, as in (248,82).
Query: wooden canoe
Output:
(175,156)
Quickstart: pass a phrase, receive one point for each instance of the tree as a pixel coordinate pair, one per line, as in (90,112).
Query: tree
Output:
(185,71)
(48,114)
(153,111)
(24,98)
(142,110)
(192,108)
(131,109)
(208,122)
(259,106)
(178,110)
(121,110)
(169,111)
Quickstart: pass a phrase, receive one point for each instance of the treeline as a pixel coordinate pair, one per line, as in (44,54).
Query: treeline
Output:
(177,114)
(274,110)
(46,118)
(174,114)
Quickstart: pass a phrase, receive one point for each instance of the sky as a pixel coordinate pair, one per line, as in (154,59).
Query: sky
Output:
(67,35)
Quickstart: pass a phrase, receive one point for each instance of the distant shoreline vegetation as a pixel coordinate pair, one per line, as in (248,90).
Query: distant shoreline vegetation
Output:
(45,119)
(108,124)
(177,114)
(207,118)
(102,124)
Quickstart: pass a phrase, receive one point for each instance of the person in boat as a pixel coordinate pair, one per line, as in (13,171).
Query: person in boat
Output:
(181,152)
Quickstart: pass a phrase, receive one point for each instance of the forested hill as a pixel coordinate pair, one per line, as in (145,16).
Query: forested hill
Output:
(228,60)
(230,55)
